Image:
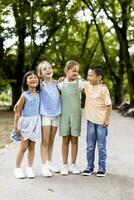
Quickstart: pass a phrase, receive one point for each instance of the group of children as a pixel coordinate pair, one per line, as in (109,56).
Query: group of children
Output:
(46,102)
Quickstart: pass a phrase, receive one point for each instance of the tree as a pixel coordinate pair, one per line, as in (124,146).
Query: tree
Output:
(120,18)
(49,21)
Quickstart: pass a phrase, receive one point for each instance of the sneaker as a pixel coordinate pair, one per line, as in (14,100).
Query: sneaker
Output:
(88,172)
(18,173)
(30,173)
(52,167)
(74,169)
(101,173)
(45,171)
(64,170)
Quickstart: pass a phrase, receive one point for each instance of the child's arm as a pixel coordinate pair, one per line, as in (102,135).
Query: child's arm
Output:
(61,79)
(16,105)
(18,111)
(107,116)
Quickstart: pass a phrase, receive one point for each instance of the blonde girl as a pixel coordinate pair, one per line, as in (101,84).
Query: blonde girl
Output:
(50,109)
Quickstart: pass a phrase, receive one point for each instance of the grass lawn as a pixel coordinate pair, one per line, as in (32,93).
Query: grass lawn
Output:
(6,126)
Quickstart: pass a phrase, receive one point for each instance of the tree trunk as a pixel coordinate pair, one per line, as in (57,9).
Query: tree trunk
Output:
(21,32)
(16,87)
(1,50)
(16,92)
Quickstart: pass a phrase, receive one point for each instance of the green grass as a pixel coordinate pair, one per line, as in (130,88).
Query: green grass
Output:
(2,146)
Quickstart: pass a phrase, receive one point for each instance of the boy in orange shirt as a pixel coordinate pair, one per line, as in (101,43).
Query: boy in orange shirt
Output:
(97,112)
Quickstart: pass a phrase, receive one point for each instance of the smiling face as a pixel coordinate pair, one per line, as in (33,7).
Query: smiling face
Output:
(93,78)
(32,81)
(72,73)
(46,71)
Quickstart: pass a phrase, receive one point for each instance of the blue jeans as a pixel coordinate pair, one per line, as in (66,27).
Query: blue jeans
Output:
(96,133)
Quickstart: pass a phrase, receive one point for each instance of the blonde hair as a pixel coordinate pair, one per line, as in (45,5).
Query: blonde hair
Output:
(70,64)
(39,68)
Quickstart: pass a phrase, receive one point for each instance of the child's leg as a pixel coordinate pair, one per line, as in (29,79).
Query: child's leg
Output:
(65,148)
(101,139)
(74,148)
(91,144)
(51,141)
(45,143)
(20,155)
(31,152)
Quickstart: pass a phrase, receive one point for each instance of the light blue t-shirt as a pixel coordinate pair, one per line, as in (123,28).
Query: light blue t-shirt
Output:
(50,102)
(32,103)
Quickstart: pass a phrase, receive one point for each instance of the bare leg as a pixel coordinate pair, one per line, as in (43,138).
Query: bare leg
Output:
(20,155)
(51,142)
(31,152)
(65,148)
(74,148)
(45,143)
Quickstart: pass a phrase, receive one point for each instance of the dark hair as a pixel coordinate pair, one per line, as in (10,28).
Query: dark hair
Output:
(24,81)
(98,71)
(70,64)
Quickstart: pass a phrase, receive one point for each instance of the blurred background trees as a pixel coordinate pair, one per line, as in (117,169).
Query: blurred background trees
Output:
(93,32)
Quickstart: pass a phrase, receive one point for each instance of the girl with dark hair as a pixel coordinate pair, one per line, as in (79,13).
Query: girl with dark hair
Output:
(27,123)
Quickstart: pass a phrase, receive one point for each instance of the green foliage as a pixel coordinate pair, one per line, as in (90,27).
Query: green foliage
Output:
(58,34)
(5,94)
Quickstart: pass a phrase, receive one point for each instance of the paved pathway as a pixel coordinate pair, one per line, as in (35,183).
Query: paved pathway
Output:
(117,185)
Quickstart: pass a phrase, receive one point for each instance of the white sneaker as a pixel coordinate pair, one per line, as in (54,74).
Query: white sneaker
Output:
(45,171)
(64,170)
(74,169)
(30,173)
(18,173)
(52,167)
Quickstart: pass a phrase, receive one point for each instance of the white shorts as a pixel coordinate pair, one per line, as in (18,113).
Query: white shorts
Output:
(49,121)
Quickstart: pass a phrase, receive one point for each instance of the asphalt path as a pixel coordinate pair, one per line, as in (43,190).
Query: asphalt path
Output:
(117,185)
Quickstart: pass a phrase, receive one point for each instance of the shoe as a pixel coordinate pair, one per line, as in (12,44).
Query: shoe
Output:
(88,172)
(64,170)
(101,173)
(45,171)
(30,173)
(52,167)
(18,173)
(74,169)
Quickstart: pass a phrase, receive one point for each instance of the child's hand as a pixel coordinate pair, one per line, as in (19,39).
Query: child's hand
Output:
(17,131)
(61,79)
(106,122)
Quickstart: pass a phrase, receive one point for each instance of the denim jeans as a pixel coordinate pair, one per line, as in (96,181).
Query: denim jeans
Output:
(96,133)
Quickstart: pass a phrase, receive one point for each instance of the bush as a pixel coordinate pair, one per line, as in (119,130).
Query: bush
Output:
(5,98)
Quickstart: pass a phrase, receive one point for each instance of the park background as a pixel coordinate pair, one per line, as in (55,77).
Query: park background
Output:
(93,32)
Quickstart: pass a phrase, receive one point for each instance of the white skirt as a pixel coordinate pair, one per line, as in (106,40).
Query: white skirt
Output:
(30,127)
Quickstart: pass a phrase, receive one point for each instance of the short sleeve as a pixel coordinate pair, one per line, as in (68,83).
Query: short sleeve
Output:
(60,85)
(106,96)
(81,84)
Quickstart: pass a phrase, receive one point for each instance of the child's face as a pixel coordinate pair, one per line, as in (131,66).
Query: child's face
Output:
(47,71)
(93,78)
(32,81)
(73,73)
